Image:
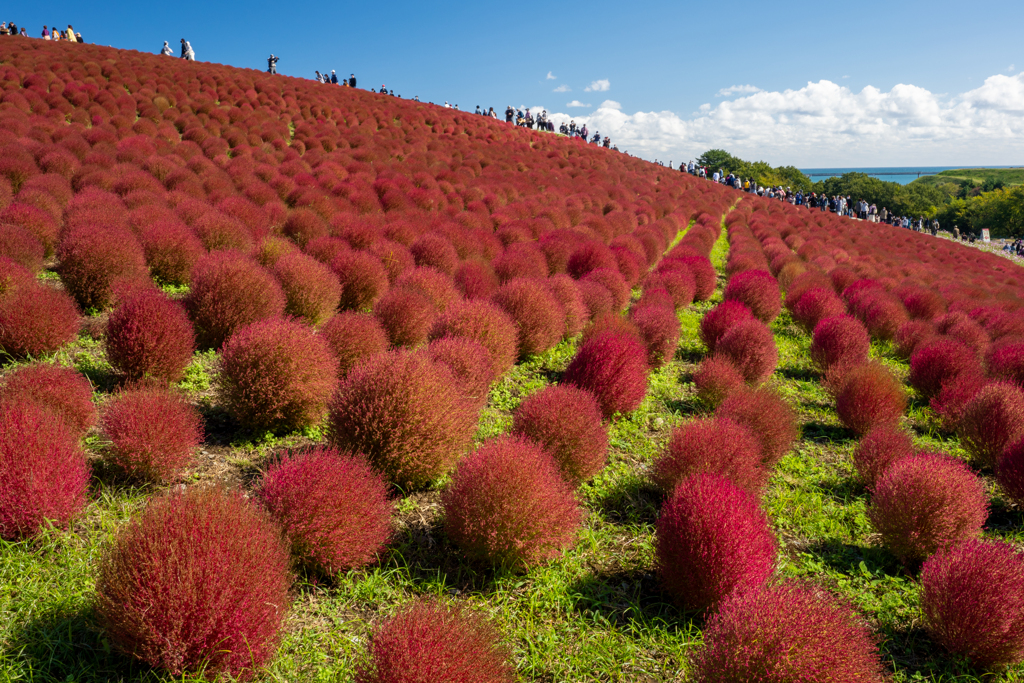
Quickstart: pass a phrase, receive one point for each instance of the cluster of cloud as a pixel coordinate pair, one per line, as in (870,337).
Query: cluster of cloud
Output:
(827,124)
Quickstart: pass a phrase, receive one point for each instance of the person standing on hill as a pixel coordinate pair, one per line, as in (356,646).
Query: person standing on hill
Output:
(71,35)
(272,61)
(509,114)
(334,77)
(352,81)
(186,50)
(46,33)
(166,51)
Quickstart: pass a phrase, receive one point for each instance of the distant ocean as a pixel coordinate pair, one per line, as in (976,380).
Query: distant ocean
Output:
(896,174)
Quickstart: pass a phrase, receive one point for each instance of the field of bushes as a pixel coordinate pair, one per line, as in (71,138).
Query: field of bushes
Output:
(305,383)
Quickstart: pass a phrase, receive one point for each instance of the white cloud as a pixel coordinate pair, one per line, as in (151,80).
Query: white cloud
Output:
(562,88)
(827,124)
(1011,68)
(551,77)
(599,86)
(737,90)
(576,103)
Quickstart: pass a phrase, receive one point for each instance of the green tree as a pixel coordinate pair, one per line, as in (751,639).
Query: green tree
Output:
(715,159)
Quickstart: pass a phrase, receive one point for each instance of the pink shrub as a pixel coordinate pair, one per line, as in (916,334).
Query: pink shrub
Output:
(171,250)
(597,300)
(469,363)
(720,320)
(750,347)
(405,413)
(789,632)
(476,280)
(62,391)
(952,400)
(36,320)
(277,374)
(612,366)
(21,246)
(311,290)
(590,256)
(304,225)
(566,422)
(715,379)
(539,319)
(406,316)
(153,433)
(353,337)
(925,502)
(43,473)
(878,450)
(910,334)
(230,290)
(882,314)
(198,581)
(870,397)
(767,416)
(486,324)
(432,283)
(1006,362)
(659,329)
(333,508)
(938,361)
(508,505)
(362,278)
(704,275)
(521,260)
(679,283)
(839,342)
(429,643)
(815,305)
(972,597)
(758,291)
(93,260)
(1010,470)
(567,293)
(992,419)
(713,540)
(435,251)
(615,284)
(148,335)
(714,445)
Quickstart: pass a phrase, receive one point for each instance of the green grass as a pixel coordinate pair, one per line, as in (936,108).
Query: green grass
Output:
(596,614)
(1009,176)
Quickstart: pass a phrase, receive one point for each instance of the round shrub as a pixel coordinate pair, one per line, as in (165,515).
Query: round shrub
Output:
(198,581)
(613,281)
(704,275)
(311,290)
(362,277)
(476,280)
(277,374)
(720,320)
(468,362)
(153,433)
(910,334)
(659,330)
(789,632)
(486,324)
(44,476)
(972,597)
(715,379)
(36,320)
(758,291)
(148,335)
(567,294)
(566,422)
(1010,470)
(767,416)
(304,225)
(333,508)
(815,305)
(93,260)
(172,251)
(750,347)
(539,319)
(1006,362)
(597,300)
(610,322)
(712,540)
(870,397)
(839,341)
(925,502)
(230,290)
(406,316)
(612,366)
(713,445)
(679,283)
(938,361)
(588,257)
(521,260)
(992,419)
(62,391)
(433,284)
(352,337)
(882,314)
(14,276)
(509,506)
(405,413)
(878,450)
(952,400)
(21,246)
(430,643)
(435,251)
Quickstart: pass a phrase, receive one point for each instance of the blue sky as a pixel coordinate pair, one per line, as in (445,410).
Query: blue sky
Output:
(922,62)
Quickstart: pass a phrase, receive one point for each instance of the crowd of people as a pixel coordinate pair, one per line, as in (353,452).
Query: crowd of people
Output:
(55,34)
(1014,248)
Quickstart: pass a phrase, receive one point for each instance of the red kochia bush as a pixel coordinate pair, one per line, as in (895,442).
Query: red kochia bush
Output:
(509,506)
(153,433)
(659,329)
(613,367)
(312,291)
(839,341)
(1010,470)
(715,379)
(431,643)
(910,334)
(36,320)
(469,364)
(938,361)
(870,396)
(973,602)
(720,320)
(793,632)
(277,374)
(352,337)
(171,250)
(362,277)
(993,418)
(43,473)
(333,507)
(616,285)
(679,282)
(567,293)
(758,291)
(62,391)
(954,397)
(19,245)
(93,260)
(405,413)
(713,540)
(230,290)
(714,445)
(484,323)
(590,256)
(539,319)
(148,335)
(767,415)
(198,581)
(925,502)
(406,316)
(704,275)
(880,448)
(815,305)
(1006,361)
(566,422)
(750,346)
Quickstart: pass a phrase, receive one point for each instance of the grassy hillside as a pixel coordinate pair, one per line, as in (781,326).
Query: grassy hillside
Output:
(977,176)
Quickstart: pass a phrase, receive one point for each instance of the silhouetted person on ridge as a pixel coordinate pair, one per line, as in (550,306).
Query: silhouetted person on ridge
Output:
(272,64)
(352,81)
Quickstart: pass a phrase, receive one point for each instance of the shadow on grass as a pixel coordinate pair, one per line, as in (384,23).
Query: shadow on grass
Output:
(628,500)
(855,559)
(819,431)
(1003,518)
(800,374)
(844,490)
(632,600)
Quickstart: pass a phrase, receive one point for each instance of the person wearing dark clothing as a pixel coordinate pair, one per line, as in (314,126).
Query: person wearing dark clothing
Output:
(509,114)
(272,64)
(334,77)
(352,81)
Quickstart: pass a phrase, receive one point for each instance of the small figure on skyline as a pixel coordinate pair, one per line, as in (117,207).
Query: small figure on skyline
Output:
(46,33)
(166,51)
(334,77)
(272,61)
(71,35)
(352,81)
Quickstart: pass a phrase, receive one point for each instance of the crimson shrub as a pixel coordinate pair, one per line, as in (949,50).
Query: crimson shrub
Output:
(406,315)
(815,305)
(171,251)
(910,334)
(713,445)
(839,341)
(508,505)
(765,413)
(750,347)
(62,391)
(21,246)
(362,277)
(613,367)
(1010,470)
(312,291)
(36,320)
(659,329)
(153,433)
(938,361)
(469,363)
(758,291)
(352,337)
(992,419)
(539,319)
(1006,362)
(954,397)
(567,293)
(93,260)
(148,335)
(715,378)
(613,281)
(435,251)
(720,320)
(870,396)
(485,323)
(704,275)
(878,450)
